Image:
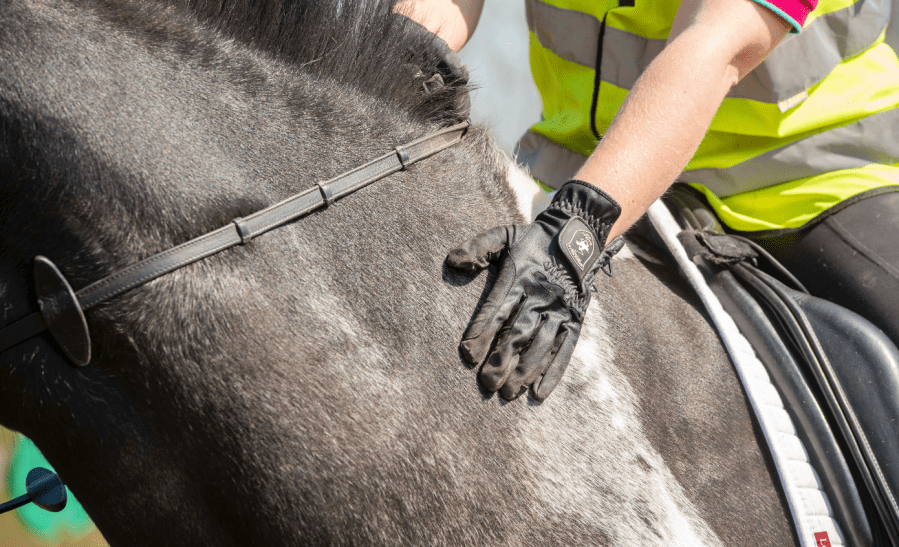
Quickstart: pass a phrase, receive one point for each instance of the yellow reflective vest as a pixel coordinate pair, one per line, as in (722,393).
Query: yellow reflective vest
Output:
(815,125)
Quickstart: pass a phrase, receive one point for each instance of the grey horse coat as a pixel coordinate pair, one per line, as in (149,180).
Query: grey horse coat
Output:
(307,388)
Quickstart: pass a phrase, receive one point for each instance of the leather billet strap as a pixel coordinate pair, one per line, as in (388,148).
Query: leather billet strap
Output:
(238,232)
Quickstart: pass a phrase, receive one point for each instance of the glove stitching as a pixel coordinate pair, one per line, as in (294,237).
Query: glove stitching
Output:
(599,227)
(497,303)
(560,276)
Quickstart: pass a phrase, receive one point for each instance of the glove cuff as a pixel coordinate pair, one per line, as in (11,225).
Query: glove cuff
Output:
(597,209)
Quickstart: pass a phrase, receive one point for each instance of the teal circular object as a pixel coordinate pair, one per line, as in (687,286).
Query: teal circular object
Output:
(48,528)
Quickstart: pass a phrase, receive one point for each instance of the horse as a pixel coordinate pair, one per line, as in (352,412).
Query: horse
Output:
(306,388)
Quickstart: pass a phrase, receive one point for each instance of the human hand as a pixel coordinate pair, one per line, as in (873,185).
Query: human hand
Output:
(448,69)
(536,307)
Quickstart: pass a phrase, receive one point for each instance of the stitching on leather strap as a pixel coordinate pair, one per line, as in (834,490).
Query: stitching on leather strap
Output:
(327,193)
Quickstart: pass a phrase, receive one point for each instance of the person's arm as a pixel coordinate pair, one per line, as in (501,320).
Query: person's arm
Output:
(533,315)
(452,20)
(712,46)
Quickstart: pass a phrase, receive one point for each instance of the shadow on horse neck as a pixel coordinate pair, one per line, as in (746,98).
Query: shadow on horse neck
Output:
(306,388)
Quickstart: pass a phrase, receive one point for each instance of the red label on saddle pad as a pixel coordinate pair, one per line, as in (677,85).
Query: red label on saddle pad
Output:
(821,539)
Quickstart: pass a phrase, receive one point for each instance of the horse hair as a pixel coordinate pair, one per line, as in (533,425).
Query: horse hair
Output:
(101,176)
(353,43)
(306,388)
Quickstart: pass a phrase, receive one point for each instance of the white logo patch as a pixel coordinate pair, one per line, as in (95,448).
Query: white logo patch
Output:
(580,247)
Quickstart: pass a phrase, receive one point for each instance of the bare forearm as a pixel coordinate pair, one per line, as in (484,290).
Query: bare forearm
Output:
(659,127)
(670,108)
(452,20)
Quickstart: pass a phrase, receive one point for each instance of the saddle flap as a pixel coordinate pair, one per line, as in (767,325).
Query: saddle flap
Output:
(857,370)
(866,364)
(798,391)
(61,311)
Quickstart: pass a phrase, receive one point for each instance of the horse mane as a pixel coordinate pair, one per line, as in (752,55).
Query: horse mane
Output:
(360,44)
(333,71)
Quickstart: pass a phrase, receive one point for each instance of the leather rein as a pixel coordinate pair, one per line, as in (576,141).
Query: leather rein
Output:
(62,309)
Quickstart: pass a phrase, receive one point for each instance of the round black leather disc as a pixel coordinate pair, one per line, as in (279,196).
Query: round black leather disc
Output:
(46,490)
(61,311)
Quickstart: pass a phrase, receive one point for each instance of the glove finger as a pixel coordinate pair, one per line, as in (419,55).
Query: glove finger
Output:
(511,340)
(501,303)
(534,359)
(481,250)
(566,341)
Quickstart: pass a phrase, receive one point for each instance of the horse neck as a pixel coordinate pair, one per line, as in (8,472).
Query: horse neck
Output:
(151,146)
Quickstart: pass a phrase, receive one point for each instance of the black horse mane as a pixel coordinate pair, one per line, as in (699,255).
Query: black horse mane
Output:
(305,59)
(357,43)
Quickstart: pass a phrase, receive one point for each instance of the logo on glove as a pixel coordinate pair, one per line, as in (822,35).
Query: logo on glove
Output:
(578,245)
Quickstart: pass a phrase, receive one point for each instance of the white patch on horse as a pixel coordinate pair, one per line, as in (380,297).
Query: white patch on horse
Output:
(640,501)
(531,199)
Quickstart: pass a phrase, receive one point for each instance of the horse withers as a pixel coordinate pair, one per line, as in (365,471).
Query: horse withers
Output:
(306,388)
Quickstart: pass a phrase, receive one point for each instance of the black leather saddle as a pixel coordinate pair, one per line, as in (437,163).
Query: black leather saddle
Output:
(837,373)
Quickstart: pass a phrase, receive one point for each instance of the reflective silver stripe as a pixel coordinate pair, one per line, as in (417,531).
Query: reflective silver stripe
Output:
(572,36)
(568,33)
(892,34)
(874,139)
(821,46)
(550,163)
(802,60)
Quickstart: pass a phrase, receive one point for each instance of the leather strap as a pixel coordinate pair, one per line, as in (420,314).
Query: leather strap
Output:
(242,230)
(796,322)
(812,426)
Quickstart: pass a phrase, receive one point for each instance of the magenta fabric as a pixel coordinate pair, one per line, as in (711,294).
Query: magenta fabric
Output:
(795,12)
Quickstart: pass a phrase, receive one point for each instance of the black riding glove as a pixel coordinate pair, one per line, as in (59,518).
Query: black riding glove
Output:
(449,69)
(536,308)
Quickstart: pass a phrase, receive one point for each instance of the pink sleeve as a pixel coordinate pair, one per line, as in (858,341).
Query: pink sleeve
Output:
(794,12)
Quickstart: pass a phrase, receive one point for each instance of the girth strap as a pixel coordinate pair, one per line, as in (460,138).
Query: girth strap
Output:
(241,230)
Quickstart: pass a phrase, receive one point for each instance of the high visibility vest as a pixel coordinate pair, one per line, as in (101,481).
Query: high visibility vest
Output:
(816,124)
